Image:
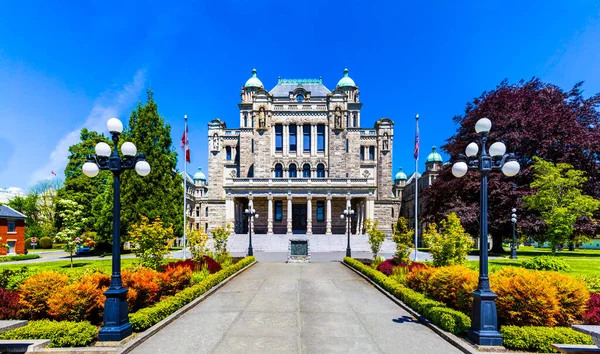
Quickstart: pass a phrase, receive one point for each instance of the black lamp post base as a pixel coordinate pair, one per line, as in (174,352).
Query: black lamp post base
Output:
(484,323)
(250,252)
(513,253)
(116,321)
(348,252)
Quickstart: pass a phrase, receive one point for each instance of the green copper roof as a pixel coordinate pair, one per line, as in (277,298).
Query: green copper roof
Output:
(346,81)
(434,156)
(199,175)
(253,81)
(400,176)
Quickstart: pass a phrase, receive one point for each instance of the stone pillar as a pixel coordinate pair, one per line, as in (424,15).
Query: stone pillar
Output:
(230,211)
(328,217)
(309,214)
(270,215)
(289,213)
(286,140)
(313,140)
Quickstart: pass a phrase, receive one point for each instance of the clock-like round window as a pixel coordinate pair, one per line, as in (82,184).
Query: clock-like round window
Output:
(299,98)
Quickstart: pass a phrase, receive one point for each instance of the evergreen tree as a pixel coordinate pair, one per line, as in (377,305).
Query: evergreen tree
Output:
(158,195)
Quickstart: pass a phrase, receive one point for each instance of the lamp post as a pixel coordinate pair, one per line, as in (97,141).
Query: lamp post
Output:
(116,322)
(484,319)
(513,245)
(250,214)
(348,214)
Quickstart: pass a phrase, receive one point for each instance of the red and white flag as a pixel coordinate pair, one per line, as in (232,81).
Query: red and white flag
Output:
(185,144)
(53,173)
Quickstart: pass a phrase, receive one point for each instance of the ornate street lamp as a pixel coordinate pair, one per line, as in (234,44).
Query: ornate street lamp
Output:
(484,319)
(116,322)
(250,214)
(348,214)
(513,245)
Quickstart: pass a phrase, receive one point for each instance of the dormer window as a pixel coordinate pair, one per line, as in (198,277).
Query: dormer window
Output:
(299,98)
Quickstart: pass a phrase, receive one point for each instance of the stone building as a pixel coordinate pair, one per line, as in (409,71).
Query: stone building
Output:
(299,157)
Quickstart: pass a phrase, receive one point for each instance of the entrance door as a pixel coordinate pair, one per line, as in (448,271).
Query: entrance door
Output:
(299,218)
(11,246)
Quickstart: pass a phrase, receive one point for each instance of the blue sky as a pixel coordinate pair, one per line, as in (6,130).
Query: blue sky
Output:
(65,65)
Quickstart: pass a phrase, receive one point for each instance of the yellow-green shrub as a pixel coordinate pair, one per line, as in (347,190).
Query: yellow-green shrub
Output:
(572,296)
(539,339)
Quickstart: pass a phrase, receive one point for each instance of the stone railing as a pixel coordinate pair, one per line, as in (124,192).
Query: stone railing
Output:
(298,182)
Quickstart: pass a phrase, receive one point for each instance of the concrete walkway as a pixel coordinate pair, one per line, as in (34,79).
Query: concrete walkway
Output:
(296,308)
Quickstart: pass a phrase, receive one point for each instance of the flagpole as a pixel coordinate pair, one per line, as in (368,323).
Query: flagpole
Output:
(185,132)
(417,143)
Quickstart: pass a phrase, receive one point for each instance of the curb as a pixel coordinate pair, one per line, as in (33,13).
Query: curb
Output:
(449,337)
(142,337)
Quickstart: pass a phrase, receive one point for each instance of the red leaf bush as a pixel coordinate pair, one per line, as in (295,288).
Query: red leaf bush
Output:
(9,304)
(211,264)
(175,279)
(387,266)
(592,315)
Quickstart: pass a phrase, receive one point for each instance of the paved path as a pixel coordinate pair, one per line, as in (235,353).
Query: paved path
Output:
(296,308)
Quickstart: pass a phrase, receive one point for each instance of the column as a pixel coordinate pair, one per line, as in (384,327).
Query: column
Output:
(300,140)
(309,214)
(286,140)
(313,140)
(328,218)
(229,211)
(289,214)
(270,215)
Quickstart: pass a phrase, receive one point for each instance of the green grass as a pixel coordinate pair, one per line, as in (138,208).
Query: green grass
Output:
(104,264)
(582,262)
(41,250)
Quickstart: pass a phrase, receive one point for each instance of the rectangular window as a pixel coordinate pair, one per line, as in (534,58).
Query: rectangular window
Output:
(306,142)
(347,145)
(278,137)
(362,153)
(252,145)
(278,210)
(228,153)
(293,131)
(197,226)
(197,212)
(320,137)
(372,153)
(320,210)
(12,226)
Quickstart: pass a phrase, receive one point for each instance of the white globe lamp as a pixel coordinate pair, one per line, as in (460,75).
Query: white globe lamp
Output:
(102,149)
(497,149)
(511,168)
(114,125)
(472,150)
(459,169)
(483,126)
(90,169)
(142,168)
(128,149)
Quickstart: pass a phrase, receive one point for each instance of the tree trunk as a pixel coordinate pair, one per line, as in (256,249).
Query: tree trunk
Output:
(497,244)
(571,246)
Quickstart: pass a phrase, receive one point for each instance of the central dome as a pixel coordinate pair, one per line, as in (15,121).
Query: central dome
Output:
(253,81)
(346,81)
(199,175)
(400,176)
(434,156)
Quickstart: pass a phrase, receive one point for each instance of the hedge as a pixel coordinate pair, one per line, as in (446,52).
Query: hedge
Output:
(60,333)
(539,339)
(19,257)
(450,320)
(149,316)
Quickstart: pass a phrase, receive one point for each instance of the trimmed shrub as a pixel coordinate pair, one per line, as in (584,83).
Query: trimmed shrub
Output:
(175,279)
(19,257)
(546,263)
(12,279)
(45,242)
(9,304)
(79,301)
(572,297)
(144,287)
(35,291)
(525,298)
(147,317)
(448,319)
(539,339)
(592,315)
(61,334)
(28,243)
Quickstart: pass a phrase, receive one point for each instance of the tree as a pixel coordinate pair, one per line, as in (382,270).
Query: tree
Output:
(451,245)
(77,186)
(28,206)
(559,200)
(72,225)
(376,236)
(403,237)
(220,236)
(533,119)
(45,192)
(152,242)
(197,242)
(159,194)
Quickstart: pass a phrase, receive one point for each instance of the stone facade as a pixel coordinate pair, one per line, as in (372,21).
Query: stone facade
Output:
(299,157)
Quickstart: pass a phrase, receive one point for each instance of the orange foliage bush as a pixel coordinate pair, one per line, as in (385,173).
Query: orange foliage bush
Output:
(175,279)
(572,297)
(35,291)
(418,279)
(144,287)
(525,298)
(79,301)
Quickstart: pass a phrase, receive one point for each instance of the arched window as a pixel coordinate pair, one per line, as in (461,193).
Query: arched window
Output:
(292,171)
(278,171)
(321,170)
(306,171)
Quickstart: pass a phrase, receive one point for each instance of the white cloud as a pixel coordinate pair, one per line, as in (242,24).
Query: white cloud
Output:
(109,104)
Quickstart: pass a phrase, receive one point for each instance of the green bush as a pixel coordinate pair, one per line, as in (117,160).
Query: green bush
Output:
(149,316)
(61,334)
(28,244)
(546,263)
(19,257)
(45,242)
(448,319)
(58,246)
(539,339)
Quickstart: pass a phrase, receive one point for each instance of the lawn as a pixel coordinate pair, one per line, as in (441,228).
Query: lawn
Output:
(104,264)
(582,262)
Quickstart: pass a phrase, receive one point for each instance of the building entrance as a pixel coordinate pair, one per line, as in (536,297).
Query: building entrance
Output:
(299,218)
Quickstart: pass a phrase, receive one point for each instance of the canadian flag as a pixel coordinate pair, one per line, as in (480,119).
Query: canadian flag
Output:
(185,144)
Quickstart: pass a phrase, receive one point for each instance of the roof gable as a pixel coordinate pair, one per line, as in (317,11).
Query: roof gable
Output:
(10,213)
